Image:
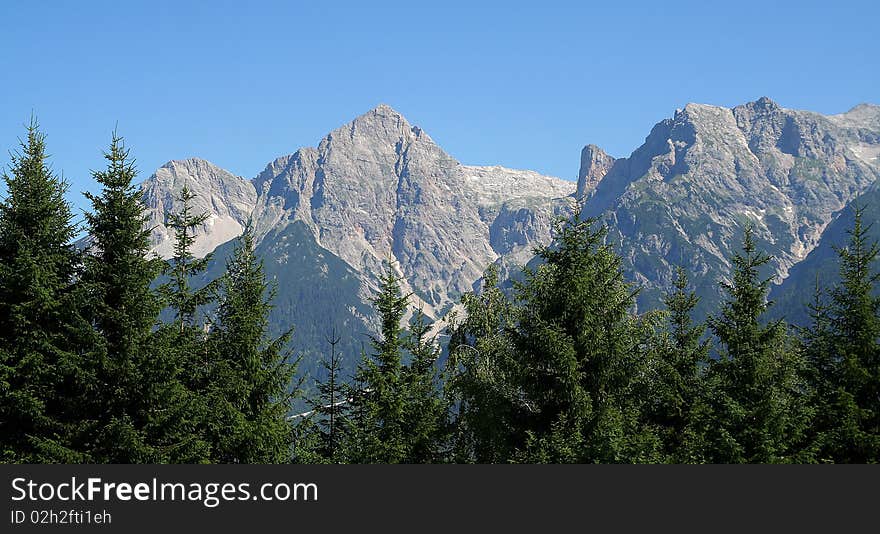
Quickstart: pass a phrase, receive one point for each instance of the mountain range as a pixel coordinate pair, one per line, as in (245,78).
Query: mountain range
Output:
(685,196)
(375,190)
(380,189)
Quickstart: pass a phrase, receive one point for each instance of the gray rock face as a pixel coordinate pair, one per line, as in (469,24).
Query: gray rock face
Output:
(378,188)
(685,196)
(822,264)
(228,199)
(595,164)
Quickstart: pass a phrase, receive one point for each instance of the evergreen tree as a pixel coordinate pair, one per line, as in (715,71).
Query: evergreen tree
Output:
(426,411)
(137,409)
(581,357)
(39,363)
(358,425)
(483,376)
(185,339)
(676,385)
(817,346)
(309,446)
(854,310)
(380,403)
(250,373)
(397,413)
(320,435)
(758,400)
(333,400)
(185,301)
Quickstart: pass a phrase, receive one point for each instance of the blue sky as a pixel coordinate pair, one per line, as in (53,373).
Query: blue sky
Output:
(522,85)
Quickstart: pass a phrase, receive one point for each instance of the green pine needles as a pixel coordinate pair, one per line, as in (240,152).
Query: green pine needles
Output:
(109,354)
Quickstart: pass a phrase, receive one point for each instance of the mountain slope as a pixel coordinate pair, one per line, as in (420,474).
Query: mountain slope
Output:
(228,199)
(685,196)
(376,189)
(379,188)
(821,264)
(314,292)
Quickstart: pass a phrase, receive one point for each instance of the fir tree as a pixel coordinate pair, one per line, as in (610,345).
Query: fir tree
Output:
(308,445)
(185,339)
(358,425)
(483,376)
(250,373)
(184,300)
(397,413)
(855,437)
(676,384)
(426,410)
(39,364)
(816,344)
(137,407)
(321,434)
(580,349)
(381,401)
(331,393)
(758,408)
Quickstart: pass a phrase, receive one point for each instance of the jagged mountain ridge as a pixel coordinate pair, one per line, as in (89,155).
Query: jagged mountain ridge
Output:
(685,196)
(821,267)
(375,189)
(228,199)
(380,188)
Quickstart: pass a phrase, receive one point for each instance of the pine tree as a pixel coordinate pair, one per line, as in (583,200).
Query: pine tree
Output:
(379,405)
(137,407)
(758,394)
(483,376)
(425,408)
(320,435)
(855,321)
(39,363)
(676,385)
(580,348)
(250,373)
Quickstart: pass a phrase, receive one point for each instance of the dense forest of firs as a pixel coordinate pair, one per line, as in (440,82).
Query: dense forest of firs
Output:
(558,369)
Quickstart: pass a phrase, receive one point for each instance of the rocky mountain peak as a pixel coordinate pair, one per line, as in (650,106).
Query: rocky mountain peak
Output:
(227,198)
(865,106)
(762,109)
(595,164)
(700,115)
(189,167)
(379,187)
(382,124)
(861,116)
(764,103)
(687,193)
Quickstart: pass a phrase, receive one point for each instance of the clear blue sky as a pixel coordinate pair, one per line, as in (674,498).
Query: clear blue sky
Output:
(526,86)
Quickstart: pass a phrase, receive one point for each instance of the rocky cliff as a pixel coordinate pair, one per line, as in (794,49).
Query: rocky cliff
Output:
(685,196)
(228,199)
(379,188)
(375,189)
